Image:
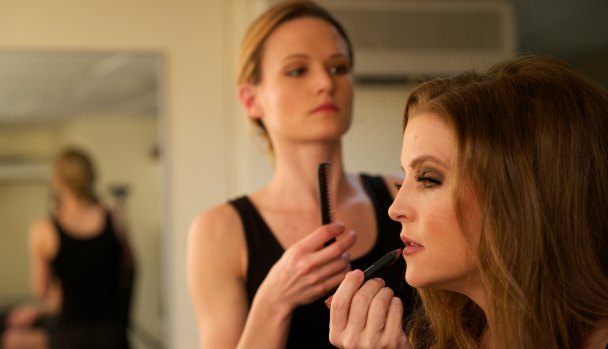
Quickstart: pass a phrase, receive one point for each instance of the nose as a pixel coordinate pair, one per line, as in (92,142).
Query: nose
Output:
(401,210)
(325,82)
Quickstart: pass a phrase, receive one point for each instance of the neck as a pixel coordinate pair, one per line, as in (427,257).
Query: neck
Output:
(71,203)
(295,174)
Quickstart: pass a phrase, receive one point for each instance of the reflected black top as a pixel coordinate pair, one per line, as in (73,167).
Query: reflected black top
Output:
(89,272)
(310,323)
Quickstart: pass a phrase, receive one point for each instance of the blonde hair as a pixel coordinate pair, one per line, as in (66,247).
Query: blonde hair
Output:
(252,47)
(531,141)
(75,170)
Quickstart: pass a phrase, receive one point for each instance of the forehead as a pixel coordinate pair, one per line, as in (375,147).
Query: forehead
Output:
(303,35)
(427,133)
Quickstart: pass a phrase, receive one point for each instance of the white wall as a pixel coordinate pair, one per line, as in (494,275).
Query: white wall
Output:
(20,203)
(373,143)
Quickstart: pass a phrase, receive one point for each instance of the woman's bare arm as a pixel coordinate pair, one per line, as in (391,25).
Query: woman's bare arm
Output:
(217,263)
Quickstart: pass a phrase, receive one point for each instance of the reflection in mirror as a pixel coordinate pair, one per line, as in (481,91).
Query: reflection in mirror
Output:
(105,103)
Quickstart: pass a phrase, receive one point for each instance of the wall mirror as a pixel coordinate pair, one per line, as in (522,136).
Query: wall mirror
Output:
(106,103)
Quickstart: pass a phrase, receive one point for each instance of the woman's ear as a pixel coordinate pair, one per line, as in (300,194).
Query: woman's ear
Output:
(248,98)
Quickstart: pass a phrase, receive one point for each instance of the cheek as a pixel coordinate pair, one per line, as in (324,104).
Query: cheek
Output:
(445,238)
(440,217)
(347,91)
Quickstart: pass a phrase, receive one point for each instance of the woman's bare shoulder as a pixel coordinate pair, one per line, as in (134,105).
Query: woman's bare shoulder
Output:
(217,228)
(216,244)
(42,236)
(42,228)
(216,220)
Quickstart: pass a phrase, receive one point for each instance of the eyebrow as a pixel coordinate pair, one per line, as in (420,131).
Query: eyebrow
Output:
(304,55)
(423,158)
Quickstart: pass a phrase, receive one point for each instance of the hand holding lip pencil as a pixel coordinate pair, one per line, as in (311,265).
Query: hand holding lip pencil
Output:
(373,270)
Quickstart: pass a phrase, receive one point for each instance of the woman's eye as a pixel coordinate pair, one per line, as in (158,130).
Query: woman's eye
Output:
(296,72)
(428,180)
(398,186)
(339,69)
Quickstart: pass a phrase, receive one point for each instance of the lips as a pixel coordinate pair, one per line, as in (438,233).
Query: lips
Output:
(411,247)
(409,242)
(326,107)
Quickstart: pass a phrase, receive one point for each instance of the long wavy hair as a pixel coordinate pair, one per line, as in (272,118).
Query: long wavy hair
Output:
(531,140)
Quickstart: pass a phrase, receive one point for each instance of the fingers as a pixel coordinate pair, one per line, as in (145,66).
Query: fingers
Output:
(307,270)
(312,256)
(340,304)
(363,315)
(317,239)
(378,309)
(360,305)
(393,327)
(324,262)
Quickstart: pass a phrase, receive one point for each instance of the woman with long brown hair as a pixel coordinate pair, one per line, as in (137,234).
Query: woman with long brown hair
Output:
(504,213)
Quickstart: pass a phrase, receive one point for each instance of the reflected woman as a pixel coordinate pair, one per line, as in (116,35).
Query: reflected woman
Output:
(82,263)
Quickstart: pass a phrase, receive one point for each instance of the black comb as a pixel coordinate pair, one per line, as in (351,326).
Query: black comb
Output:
(323,178)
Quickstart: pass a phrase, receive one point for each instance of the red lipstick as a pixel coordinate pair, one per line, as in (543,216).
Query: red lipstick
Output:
(326,107)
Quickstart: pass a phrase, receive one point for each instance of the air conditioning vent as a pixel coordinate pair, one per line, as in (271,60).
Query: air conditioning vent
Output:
(402,40)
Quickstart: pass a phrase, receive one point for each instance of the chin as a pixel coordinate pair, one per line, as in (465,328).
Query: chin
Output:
(424,281)
(415,280)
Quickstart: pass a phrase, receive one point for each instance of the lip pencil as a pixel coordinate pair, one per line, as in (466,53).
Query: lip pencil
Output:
(373,270)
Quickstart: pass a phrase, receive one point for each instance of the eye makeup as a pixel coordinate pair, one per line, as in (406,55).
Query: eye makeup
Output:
(430,178)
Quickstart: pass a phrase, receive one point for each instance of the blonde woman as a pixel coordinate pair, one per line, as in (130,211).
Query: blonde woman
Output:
(81,261)
(257,266)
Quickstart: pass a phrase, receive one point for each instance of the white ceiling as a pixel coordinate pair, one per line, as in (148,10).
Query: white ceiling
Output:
(40,86)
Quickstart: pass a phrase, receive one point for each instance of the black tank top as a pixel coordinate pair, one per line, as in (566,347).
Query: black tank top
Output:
(89,272)
(310,323)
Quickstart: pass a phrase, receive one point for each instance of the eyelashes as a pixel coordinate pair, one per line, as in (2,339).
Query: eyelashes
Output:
(426,178)
(339,69)
(428,181)
(334,69)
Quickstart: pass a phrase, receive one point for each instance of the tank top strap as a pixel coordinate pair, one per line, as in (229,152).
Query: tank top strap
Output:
(108,224)
(263,248)
(381,199)
(377,190)
(58,227)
